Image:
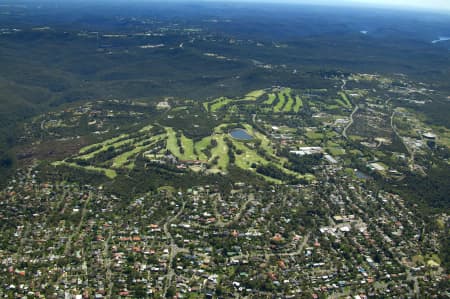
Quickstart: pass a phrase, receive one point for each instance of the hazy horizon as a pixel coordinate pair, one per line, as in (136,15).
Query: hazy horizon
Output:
(430,5)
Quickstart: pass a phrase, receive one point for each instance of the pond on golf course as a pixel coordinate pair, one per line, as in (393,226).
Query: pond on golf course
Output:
(240,134)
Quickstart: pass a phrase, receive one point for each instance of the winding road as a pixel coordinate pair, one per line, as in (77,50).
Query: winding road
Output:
(344,132)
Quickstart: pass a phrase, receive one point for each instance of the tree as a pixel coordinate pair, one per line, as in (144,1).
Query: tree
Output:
(171,292)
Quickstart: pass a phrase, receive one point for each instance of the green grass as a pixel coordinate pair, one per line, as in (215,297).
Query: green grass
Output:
(205,105)
(119,161)
(254,95)
(356,138)
(285,101)
(194,150)
(105,147)
(146,128)
(271,99)
(220,151)
(270,179)
(115,142)
(266,144)
(341,103)
(219,103)
(298,104)
(186,143)
(289,103)
(172,145)
(200,146)
(248,157)
(332,144)
(122,159)
(280,103)
(110,173)
(105,143)
(188,146)
(356,152)
(314,135)
(344,101)
(336,151)
(334,107)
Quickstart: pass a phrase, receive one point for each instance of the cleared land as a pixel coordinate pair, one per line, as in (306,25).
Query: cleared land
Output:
(289,103)
(254,95)
(280,103)
(200,147)
(220,154)
(298,104)
(215,150)
(110,173)
(247,156)
(271,98)
(103,144)
(120,160)
(185,151)
(344,101)
(188,147)
(284,101)
(219,103)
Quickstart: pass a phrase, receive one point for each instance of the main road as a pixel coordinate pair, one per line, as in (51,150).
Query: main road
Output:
(344,132)
(174,250)
(408,149)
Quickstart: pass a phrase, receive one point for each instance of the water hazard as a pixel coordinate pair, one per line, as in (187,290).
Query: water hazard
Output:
(240,134)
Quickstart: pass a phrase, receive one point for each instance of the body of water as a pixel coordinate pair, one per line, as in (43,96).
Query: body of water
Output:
(240,134)
(441,39)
